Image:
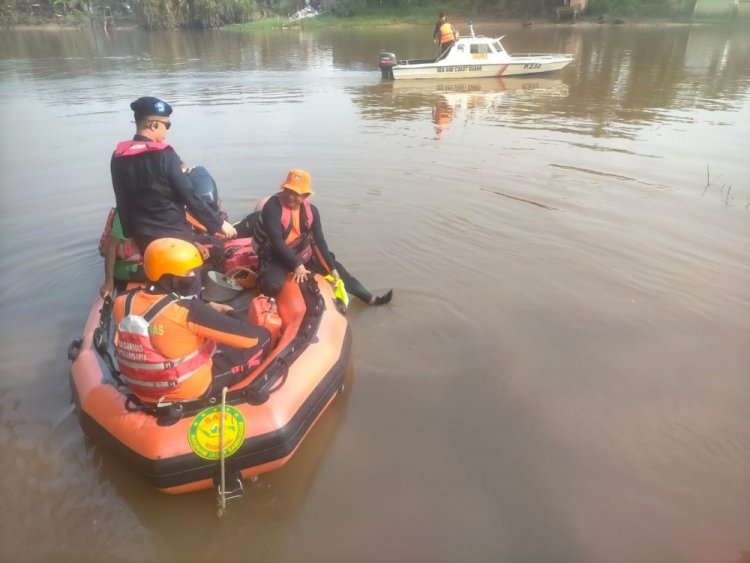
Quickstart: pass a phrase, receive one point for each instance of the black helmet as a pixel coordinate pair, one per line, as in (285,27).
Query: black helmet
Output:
(205,186)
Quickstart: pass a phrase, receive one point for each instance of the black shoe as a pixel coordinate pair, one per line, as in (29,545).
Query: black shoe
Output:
(383,299)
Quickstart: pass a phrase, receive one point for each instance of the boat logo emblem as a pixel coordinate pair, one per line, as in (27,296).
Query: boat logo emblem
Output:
(205,429)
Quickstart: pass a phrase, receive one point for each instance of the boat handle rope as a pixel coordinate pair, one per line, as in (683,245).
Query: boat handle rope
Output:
(222,457)
(223,495)
(101,337)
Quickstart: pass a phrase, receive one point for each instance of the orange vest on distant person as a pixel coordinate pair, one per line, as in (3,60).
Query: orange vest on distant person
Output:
(446,33)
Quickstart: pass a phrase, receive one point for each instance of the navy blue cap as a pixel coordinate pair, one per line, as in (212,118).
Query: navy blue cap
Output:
(148,105)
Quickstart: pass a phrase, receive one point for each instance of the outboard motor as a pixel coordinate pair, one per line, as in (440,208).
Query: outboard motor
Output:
(205,186)
(387,62)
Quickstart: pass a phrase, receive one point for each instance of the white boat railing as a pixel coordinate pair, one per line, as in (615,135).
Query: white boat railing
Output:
(541,55)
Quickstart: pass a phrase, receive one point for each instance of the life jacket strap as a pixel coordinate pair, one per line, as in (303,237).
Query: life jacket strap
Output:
(171,363)
(160,384)
(155,309)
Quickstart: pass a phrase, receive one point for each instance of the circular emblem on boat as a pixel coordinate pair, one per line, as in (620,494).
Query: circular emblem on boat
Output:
(205,429)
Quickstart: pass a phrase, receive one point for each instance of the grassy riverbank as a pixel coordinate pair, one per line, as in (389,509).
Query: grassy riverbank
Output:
(374,17)
(427,16)
(382,16)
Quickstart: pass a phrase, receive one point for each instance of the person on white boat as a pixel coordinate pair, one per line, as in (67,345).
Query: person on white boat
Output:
(436,31)
(444,33)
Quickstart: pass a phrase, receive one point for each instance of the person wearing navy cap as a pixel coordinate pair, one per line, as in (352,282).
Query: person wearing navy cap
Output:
(151,189)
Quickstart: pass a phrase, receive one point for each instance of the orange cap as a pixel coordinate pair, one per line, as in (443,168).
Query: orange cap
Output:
(298,181)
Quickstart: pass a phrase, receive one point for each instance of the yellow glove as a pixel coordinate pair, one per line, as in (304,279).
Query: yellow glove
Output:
(339,291)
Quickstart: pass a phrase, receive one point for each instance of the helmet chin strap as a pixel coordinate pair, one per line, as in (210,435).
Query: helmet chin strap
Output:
(185,286)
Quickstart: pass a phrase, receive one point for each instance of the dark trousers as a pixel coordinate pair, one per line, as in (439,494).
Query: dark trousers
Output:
(231,365)
(273,273)
(443,48)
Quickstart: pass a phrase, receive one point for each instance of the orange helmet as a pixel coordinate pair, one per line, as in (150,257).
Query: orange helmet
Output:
(170,256)
(298,181)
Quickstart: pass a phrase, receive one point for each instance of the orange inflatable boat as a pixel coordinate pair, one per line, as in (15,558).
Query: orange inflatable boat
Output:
(186,446)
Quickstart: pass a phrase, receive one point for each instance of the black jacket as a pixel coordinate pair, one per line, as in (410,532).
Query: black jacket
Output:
(270,235)
(152,192)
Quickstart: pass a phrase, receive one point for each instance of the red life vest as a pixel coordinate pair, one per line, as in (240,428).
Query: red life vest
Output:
(127,250)
(286,216)
(239,253)
(302,246)
(147,372)
(132,148)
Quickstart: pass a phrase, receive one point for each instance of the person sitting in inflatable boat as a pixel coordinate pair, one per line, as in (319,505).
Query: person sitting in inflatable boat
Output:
(173,347)
(150,187)
(289,238)
(122,259)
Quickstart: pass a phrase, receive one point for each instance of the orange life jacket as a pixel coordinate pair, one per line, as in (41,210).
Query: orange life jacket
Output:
(149,373)
(302,245)
(446,33)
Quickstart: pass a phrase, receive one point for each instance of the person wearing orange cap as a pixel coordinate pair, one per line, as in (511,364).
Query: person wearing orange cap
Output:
(288,237)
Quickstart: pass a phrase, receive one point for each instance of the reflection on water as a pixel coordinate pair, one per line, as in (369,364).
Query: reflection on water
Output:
(447,100)
(562,375)
(693,71)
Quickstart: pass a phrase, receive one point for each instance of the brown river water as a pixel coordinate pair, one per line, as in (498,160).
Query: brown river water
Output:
(564,372)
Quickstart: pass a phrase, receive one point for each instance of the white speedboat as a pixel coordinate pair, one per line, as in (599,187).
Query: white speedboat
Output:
(473,57)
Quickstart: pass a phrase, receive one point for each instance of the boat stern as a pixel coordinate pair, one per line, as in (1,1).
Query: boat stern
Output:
(386,62)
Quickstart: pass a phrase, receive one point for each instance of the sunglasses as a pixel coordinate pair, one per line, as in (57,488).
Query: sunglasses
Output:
(166,124)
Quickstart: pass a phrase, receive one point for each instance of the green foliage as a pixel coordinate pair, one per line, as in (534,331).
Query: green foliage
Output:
(75,19)
(630,7)
(349,8)
(64,6)
(167,14)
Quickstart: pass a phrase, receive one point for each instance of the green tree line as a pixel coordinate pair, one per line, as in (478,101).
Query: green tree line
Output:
(511,8)
(168,14)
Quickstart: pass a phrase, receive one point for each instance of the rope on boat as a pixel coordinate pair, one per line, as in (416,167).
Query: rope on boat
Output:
(222,494)
(222,453)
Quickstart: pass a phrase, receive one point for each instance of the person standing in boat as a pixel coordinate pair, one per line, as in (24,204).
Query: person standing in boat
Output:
(436,32)
(444,34)
(171,346)
(151,189)
(288,237)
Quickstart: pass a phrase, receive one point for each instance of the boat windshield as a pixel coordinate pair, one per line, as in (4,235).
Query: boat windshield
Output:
(497,46)
(480,48)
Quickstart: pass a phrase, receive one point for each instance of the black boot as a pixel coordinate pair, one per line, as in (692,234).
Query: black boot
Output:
(383,299)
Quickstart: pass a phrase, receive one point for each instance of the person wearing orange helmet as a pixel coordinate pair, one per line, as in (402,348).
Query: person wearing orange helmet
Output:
(288,237)
(171,346)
